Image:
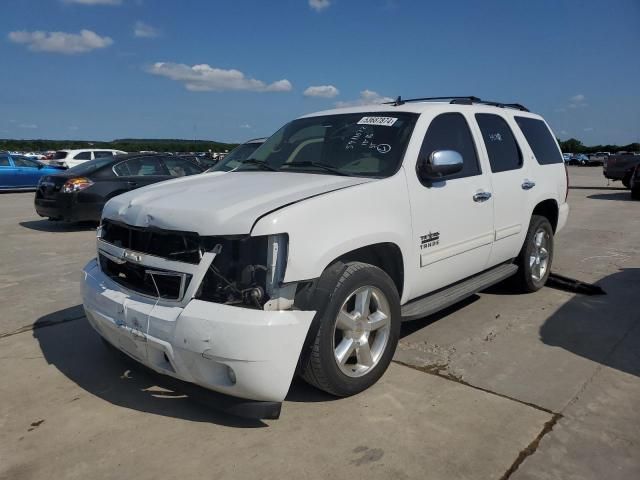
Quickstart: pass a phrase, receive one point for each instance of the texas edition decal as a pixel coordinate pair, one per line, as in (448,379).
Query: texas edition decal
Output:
(429,240)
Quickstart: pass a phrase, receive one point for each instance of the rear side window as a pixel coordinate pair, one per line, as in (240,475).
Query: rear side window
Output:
(4,161)
(24,162)
(540,140)
(102,154)
(83,156)
(59,155)
(179,167)
(450,131)
(139,166)
(502,148)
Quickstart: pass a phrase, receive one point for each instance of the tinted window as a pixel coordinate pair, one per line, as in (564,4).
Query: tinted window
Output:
(24,162)
(179,167)
(4,161)
(503,150)
(540,140)
(102,154)
(59,155)
(83,156)
(450,131)
(139,166)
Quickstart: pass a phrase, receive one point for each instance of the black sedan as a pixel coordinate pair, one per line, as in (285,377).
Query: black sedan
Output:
(79,194)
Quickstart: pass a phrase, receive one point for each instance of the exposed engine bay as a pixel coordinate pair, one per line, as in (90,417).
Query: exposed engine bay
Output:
(238,273)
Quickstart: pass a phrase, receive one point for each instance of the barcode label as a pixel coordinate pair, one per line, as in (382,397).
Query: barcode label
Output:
(384,121)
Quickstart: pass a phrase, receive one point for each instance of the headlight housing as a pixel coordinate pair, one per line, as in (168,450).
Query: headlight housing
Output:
(246,271)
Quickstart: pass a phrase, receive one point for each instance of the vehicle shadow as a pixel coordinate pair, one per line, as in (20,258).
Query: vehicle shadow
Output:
(407,328)
(604,329)
(54,226)
(70,344)
(75,349)
(624,195)
(571,187)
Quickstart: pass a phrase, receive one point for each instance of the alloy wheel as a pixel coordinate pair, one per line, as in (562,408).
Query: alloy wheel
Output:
(539,257)
(361,331)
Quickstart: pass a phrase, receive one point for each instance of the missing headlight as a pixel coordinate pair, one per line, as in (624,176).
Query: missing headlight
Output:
(246,270)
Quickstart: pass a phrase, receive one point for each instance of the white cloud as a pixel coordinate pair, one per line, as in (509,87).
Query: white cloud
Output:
(367,97)
(319,5)
(60,42)
(143,30)
(73,128)
(246,125)
(577,101)
(94,2)
(588,129)
(28,125)
(324,91)
(203,78)
(564,132)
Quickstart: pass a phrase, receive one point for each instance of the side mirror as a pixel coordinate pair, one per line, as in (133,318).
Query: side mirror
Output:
(440,163)
(40,165)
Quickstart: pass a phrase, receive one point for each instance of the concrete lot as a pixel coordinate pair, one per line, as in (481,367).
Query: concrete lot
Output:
(541,386)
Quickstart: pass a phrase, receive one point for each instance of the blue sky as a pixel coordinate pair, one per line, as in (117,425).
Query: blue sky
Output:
(104,69)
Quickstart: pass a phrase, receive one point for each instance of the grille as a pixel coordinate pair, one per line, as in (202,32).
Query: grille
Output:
(152,282)
(172,245)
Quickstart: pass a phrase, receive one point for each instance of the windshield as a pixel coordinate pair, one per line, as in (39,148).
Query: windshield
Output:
(235,157)
(353,144)
(91,166)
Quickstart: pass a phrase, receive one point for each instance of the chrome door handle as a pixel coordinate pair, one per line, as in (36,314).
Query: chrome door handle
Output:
(482,196)
(528,185)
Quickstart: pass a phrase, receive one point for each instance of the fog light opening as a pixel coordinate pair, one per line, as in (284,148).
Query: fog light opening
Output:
(231,374)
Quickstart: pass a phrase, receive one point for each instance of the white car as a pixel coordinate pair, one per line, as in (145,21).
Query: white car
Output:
(72,158)
(306,258)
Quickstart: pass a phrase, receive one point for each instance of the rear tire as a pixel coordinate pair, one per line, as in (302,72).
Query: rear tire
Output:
(358,333)
(536,256)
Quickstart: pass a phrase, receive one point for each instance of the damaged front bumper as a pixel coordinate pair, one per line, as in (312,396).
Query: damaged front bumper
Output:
(240,352)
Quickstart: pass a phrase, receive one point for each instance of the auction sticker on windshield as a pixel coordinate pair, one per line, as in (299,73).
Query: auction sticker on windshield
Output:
(384,121)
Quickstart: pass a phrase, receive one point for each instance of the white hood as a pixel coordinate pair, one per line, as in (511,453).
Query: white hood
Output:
(219,203)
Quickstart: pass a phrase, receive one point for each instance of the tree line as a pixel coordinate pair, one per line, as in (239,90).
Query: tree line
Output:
(126,144)
(574,145)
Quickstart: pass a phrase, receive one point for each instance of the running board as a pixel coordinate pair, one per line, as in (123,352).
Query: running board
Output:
(435,302)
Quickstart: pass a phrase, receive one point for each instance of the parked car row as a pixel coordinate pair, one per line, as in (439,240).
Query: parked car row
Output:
(582,159)
(80,193)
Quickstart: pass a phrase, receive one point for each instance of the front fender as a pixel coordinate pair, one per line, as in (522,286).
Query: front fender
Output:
(325,227)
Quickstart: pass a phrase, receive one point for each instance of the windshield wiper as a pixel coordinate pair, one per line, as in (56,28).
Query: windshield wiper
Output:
(322,166)
(259,163)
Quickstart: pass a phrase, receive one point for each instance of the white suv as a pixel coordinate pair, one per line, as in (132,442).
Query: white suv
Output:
(72,158)
(308,256)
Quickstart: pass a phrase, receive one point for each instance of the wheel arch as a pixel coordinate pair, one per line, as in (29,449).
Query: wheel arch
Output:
(387,256)
(549,209)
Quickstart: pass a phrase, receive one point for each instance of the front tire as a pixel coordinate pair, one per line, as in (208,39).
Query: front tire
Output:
(536,256)
(358,333)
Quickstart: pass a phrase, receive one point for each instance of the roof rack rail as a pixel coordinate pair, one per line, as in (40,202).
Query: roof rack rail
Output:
(468,100)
